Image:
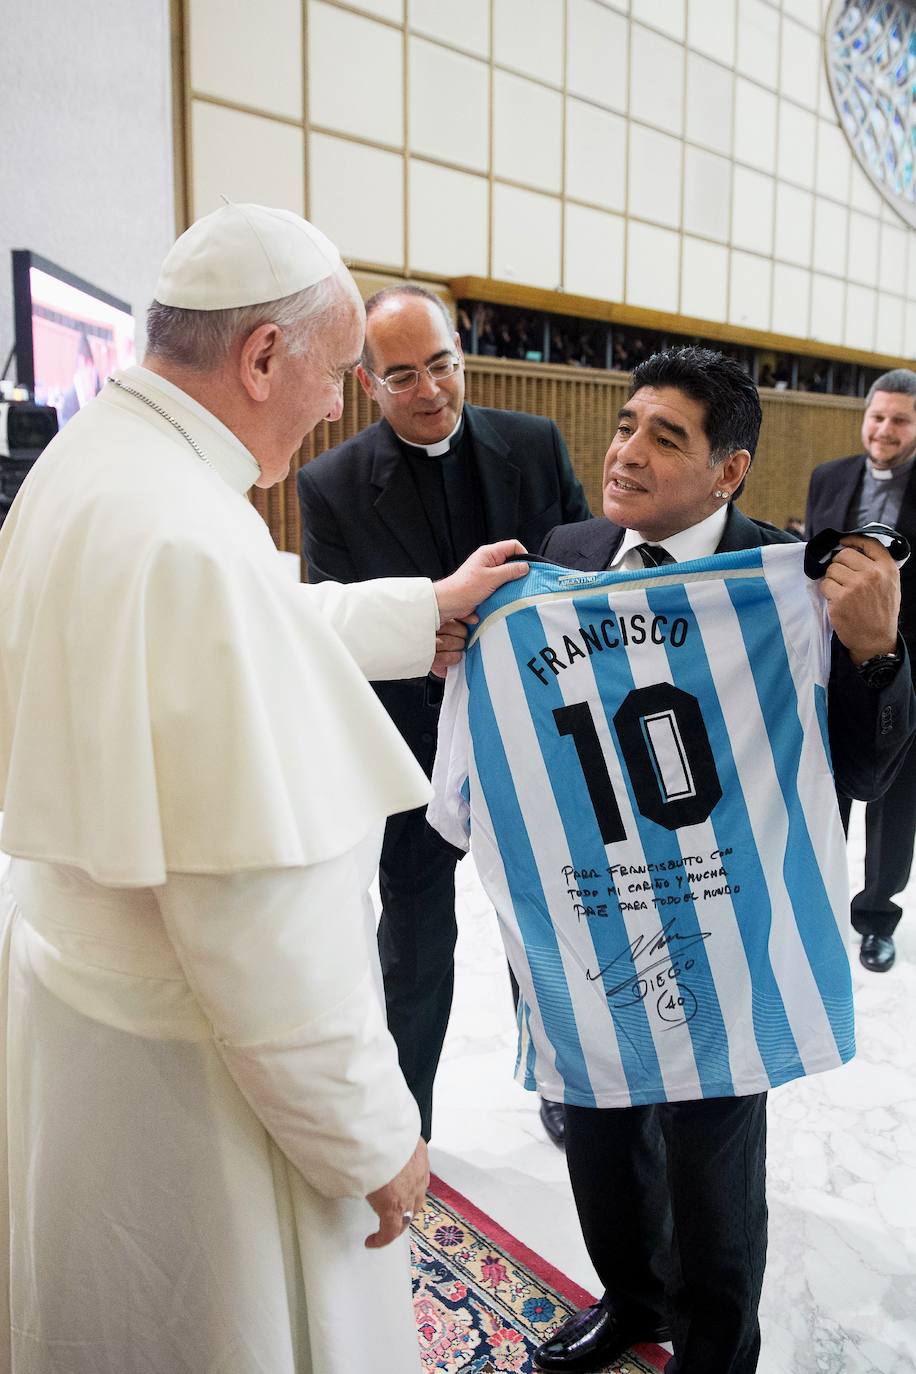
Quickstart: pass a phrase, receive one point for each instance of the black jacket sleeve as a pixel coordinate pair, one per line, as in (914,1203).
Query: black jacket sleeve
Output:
(324,547)
(870,731)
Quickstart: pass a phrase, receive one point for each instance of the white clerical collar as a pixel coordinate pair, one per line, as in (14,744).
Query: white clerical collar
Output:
(697,541)
(885,474)
(225,452)
(434,450)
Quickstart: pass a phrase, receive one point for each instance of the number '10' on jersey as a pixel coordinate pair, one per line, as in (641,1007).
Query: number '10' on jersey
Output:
(640,761)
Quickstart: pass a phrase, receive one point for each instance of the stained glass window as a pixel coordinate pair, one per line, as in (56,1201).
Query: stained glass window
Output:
(871,59)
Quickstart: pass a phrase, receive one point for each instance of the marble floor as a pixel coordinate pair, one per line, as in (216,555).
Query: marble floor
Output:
(840,1290)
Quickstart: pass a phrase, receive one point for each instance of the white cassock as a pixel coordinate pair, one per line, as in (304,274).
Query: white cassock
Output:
(200,1087)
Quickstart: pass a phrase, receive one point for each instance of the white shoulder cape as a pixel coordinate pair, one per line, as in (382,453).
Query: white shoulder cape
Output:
(169,698)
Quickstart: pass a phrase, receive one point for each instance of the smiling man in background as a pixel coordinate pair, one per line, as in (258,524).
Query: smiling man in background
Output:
(879,485)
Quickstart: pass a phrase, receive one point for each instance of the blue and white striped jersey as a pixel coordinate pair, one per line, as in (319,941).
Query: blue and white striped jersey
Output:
(641,762)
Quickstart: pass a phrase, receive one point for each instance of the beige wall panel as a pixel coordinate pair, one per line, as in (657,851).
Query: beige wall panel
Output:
(448,221)
(794,224)
(889,324)
(591,124)
(527,132)
(805,11)
(249,54)
(654,176)
(750,288)
(526,237)
(656,80)
(709,104)
(861,307)
(385,9)
(831,231)
(862,195)
(449,104)
(758,41)
(800,56)
(753,196)
(828,303)
(711,28)
(909,329)
(596,53)
(755,125)
(355,74)
(791,300)
(863,248)
(668,15)
(596,153)
(466,25)
(244,157)
(528,35)
(707,194)
(357,198)
(834,162)
(797,144)
(594,253)
(652,267)
(892,259)
(704,280)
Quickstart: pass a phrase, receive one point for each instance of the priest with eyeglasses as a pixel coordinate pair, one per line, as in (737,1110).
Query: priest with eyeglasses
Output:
(413,494)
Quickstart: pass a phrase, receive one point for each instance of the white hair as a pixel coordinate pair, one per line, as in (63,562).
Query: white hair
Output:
(202,339)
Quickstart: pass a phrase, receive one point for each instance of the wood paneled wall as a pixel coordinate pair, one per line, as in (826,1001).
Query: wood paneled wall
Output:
(799,431)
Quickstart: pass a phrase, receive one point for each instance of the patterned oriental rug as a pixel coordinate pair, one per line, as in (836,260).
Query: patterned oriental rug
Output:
(483,1300)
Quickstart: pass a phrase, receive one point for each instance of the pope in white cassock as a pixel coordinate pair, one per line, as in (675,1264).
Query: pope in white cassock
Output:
(202,1103)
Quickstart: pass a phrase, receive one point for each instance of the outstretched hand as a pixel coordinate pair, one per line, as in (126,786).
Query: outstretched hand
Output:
(405,1193)
(478,577)
(862,589)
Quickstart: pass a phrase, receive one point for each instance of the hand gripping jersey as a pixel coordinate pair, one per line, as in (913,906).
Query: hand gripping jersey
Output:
(641,761)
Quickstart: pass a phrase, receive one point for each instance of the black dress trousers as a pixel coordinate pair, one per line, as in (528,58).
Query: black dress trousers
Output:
(672,1202)
(418,930)
(890,830)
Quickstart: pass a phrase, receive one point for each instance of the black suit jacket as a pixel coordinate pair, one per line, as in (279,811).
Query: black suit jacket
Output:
(362,518)
(870,731)
(832,502)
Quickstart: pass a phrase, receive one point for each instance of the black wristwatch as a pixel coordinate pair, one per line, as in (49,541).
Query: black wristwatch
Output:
(879,671)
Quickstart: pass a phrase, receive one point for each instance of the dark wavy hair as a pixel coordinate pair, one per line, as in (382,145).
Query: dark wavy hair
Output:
(731,405)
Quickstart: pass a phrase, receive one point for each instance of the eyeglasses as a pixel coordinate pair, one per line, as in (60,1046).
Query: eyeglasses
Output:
(409,377)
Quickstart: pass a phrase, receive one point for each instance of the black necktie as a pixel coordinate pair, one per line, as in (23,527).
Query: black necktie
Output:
(653,555)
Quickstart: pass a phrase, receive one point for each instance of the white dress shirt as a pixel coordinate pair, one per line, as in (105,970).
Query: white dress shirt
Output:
(697,541)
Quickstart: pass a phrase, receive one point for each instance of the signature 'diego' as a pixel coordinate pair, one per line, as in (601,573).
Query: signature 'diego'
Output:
(659,966)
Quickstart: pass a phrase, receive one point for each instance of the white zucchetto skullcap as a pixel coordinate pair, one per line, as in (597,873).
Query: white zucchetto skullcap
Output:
(244,255)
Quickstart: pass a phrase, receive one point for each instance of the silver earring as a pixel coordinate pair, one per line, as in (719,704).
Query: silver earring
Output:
(722,495)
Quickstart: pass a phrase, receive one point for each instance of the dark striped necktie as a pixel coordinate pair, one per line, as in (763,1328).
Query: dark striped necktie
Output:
(653,555)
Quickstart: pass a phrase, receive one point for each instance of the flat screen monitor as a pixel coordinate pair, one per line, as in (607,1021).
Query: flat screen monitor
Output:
(69,334)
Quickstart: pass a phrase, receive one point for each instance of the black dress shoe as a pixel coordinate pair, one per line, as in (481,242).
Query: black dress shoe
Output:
(553,1118)
(592,1339)
(877,953)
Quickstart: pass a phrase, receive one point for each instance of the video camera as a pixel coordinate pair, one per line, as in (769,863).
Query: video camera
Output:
(26,430)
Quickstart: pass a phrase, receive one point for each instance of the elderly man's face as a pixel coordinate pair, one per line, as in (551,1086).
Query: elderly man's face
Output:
(889,429)
(657,476)
(311,390)
(410,332)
